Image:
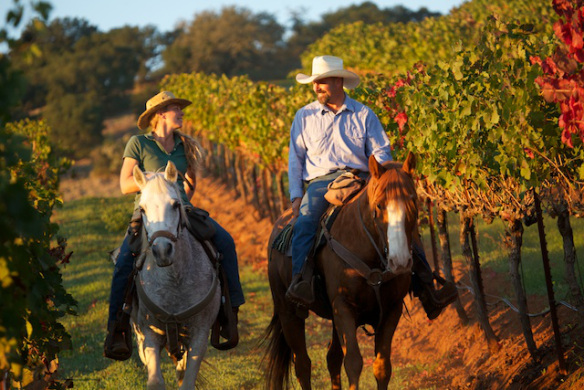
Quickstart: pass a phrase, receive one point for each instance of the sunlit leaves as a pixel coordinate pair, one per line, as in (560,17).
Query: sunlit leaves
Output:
(563,79)
(31,291)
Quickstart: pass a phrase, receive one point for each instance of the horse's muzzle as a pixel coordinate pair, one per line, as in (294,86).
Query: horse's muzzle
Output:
(400,266)
(163,251)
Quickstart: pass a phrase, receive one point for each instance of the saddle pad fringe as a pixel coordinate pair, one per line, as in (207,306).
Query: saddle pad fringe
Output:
(283,241)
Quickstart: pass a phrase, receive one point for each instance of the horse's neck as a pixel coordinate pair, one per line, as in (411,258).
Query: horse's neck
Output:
(349,227)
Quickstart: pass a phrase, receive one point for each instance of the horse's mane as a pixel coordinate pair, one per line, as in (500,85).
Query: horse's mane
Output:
(395,184)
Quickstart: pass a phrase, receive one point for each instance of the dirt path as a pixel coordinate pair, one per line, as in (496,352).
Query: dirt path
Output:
(441,354)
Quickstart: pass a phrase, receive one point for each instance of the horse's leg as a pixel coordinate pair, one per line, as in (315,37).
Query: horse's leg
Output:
(334,360)
(194,358)
(151,358)
(383,341)
(294,333)
(347,334)
(139,342)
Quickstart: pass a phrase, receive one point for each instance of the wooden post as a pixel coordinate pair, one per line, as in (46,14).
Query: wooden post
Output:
(565,227)
(472,257)
(433,235)
(549,285)
(514,240)
(442,223)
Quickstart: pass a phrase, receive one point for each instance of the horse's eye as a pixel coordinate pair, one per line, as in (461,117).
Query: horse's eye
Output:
(175,204)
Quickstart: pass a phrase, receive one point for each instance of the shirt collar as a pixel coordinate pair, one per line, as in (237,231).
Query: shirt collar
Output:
(177,139)
(348,105)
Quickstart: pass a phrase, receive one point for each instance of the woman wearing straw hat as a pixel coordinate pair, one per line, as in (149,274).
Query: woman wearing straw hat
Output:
(328,137)
(151,152)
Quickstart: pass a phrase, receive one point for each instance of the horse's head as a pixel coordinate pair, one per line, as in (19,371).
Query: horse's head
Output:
(161,209)
(393,203)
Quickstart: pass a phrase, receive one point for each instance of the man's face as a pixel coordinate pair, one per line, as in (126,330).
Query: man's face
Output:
(327,88)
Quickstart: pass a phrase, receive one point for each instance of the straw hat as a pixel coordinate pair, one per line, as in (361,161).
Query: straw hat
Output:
(157,102)
(329,66)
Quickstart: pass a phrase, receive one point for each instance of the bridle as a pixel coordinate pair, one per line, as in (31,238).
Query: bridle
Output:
(166,233)
(382,257)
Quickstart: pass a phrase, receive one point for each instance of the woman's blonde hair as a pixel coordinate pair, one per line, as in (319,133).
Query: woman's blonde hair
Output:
(193,150)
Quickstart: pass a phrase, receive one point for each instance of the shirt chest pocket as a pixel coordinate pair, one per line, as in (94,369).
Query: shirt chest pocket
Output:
(315,138)
(356,136)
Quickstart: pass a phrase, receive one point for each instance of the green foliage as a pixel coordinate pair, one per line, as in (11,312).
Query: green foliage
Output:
(30,280)
(395,48)
(368,13)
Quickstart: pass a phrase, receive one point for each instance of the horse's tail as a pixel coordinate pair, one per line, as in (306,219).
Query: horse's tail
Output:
(278,356)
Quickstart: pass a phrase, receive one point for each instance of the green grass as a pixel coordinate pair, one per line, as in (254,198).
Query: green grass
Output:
(88,279)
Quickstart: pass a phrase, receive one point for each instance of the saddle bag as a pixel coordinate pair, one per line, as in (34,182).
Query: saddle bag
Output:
(200,223)
(344,188)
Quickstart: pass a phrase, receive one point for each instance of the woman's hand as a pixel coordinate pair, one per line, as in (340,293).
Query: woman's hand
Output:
(190,183)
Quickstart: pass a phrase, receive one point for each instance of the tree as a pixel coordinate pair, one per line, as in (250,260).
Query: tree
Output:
(38,44)
(82,75)
(233,42)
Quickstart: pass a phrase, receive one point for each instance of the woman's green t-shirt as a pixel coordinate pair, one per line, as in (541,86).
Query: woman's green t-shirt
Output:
(152,157)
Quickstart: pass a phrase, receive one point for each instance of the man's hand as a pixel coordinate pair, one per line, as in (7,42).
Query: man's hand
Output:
(296,206)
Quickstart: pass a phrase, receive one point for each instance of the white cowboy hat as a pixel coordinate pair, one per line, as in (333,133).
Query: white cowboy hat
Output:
(329,66)
(155,103)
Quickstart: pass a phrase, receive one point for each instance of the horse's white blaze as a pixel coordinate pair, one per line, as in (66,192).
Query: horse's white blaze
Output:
(399,256)
(160,215)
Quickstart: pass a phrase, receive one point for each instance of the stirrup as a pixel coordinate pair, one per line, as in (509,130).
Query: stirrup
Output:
(118,343)
(439,278)
(301,295)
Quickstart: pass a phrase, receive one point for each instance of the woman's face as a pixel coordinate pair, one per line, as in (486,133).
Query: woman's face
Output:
(172,116)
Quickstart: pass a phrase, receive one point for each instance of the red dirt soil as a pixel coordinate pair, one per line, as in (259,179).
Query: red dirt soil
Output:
(441,354)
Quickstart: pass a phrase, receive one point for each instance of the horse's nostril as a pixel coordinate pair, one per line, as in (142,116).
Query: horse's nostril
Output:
(169,250)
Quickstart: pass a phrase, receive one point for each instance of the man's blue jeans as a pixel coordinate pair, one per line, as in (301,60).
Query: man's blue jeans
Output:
(125,263)
(313,206)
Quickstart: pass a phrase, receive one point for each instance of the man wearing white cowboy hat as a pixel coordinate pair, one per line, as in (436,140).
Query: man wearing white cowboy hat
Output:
(328,137)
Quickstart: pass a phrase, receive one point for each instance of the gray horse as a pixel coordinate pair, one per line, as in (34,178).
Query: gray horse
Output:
(177,286)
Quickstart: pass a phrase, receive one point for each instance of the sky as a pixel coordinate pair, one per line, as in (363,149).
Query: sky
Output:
(108,14)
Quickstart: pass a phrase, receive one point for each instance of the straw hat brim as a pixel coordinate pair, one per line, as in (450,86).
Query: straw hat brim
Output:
(351,80)
(144,119)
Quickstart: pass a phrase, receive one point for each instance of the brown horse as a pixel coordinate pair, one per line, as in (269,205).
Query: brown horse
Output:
(366,286)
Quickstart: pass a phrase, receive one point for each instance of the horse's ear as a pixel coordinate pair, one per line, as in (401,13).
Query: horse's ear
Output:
(139,177)
(410,164)
(375,168)
(170,173)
